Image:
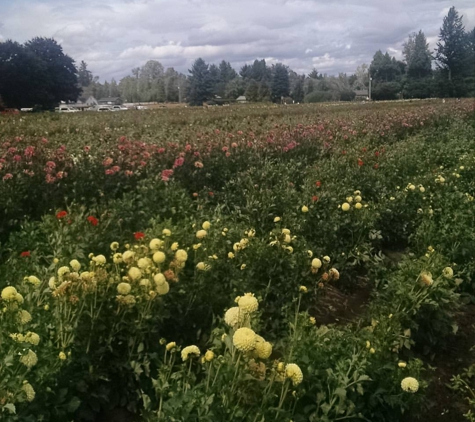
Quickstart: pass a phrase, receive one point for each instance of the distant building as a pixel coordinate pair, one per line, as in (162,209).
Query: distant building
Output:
(110,101)
(241,99)
(91,101)
(361,95)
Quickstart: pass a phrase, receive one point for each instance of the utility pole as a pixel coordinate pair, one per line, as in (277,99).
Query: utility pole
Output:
(370,79)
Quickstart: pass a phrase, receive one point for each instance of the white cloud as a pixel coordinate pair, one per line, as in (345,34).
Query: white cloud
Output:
(113,36)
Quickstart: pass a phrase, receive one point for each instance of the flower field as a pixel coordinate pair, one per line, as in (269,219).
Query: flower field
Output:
(255,263)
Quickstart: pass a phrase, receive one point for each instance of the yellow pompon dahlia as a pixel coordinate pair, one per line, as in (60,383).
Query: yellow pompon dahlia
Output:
(174,246)
(190,350)
(206,225)
(358,198)
(448,272)
(144,263)
(235,317)
(309,253)
(24,317)
(276,219)
(170,346)
(231,255)
(128,256)
(316,263)
(181,255)
(33,280)
(145,282)
(248,303)
(155,244)
(303,289)
(32,338)
(358,206)
(117,258)
(201,234)
(244,339)
(114,246)
(410,385)
(326,259)
(99,259)
(19,298)
(304,209)
(29,391)
(124,288)
(201,266)
(29,359)
(263,348)
(163,289)
(134,273)
(9,294)
(62,356)
(426,278)
(294,372)
(209,355)
(159,257)
(75,265)
(345,206)
(159,279)
(62,271)
(402,364)
(166,232)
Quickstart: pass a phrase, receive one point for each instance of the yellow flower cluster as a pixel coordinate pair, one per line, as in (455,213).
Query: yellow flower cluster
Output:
(357,199)
(29,359)
(29,391)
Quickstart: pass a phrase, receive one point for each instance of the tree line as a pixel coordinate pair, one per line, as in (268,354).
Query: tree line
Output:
(39,73)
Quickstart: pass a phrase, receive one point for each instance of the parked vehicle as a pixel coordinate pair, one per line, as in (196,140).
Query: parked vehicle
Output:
(66,109)
(103,108)
(119,108)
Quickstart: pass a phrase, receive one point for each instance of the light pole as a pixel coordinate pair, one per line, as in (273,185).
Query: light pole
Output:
(370,79)
(179,94)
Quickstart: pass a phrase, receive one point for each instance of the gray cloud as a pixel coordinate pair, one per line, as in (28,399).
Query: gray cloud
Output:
(113,36)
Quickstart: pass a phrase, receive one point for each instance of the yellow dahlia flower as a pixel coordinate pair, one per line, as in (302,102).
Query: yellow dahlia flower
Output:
(294,372)
(235,317)
(181,255)
(124,288)
(159,279)
(170,346)
(114,246)
(75,265)
(201,234)
(263,348)
(316,263)
(32,338)
(174,246)
(358,198)
(410,385)
(29,359)
(128,256)
(155,244)
(402,364)
(62,356)
(209,355)
(134,273)
(248,303)
(62,271)
(159,257)
(448,272)
(9,294)
(345,206)
(166,232)
(144,263)
(244,339)
(29,391)
(190,350)
(163,288)
(201,266)
(35,281)
(117,258)
(99,259)
(24,317)
(426,278)
(206,225)
(358,206)
(304,209)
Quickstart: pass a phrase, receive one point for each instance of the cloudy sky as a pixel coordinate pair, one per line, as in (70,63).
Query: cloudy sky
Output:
(113,36)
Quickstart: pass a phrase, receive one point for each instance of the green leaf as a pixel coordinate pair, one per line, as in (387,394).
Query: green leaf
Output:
(10,407)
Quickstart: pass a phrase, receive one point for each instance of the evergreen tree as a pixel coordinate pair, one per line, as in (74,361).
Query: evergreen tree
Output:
(450,51)
(200,87)
(252,91)
(84,76)
(280,82)
(298,90)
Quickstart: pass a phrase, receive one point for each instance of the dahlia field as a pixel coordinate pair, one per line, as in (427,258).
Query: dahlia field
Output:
(247,263)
